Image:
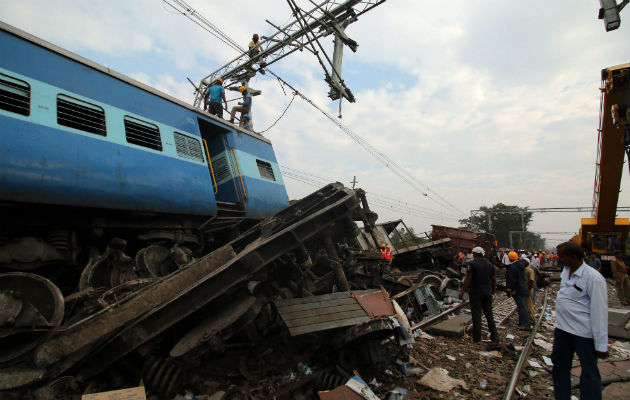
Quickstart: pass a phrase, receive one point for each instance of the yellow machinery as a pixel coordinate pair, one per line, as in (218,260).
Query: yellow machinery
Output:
(604,233)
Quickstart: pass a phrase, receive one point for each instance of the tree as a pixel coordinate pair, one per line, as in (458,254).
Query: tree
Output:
(499,220)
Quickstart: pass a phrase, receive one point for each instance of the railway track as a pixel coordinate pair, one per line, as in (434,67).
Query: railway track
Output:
(524,353)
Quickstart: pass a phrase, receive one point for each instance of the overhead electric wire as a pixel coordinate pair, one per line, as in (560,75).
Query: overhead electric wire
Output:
(380,156)
(388,199)
(203,23)
(316,181)
(412,181)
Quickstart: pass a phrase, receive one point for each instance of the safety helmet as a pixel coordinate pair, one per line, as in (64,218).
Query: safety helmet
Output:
(382,244)
(219,80)
(242,89)
(512,256)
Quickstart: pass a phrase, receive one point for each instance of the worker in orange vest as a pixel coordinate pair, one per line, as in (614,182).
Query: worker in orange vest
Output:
(388,254)
(383,252)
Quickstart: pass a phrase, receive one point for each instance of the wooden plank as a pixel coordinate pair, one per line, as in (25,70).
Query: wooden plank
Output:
(317,304)
(319,311)
(318,319)
(331,296)
(327,325)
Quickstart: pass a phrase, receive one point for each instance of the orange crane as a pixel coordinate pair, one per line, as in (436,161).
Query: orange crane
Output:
(604,233)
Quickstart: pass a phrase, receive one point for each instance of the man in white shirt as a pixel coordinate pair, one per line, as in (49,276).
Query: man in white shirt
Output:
(581,324)
(506,260)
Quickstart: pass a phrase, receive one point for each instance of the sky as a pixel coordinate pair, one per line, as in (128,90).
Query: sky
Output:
(482,102)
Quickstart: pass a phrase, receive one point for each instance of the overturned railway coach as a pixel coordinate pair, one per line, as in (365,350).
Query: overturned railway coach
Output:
(89,155)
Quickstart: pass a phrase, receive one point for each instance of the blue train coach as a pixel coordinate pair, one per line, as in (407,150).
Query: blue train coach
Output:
(88,155)
(77,134)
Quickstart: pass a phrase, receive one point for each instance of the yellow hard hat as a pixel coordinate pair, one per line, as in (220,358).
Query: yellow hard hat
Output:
(382,244)
(388,246)
(512,256)
(219,80)
(242,89)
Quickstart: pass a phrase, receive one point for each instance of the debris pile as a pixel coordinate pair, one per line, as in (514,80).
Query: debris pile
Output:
(295,301)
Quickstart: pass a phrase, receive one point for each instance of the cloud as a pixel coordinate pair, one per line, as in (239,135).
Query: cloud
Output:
(484,102)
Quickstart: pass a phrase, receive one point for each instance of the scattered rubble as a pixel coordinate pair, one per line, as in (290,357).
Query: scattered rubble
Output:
(298,306)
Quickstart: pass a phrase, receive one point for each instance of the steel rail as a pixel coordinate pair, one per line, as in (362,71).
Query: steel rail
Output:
(521,360)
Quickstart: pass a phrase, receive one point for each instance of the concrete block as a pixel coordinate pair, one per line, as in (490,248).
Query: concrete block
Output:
(452,327)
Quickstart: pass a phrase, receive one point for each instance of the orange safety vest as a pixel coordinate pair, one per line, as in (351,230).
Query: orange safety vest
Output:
(383,254)
(388,254)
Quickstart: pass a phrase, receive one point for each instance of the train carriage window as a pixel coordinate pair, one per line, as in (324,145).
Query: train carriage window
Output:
(265,170)
(15,95)
(78,114)
(187,147)
(142,133)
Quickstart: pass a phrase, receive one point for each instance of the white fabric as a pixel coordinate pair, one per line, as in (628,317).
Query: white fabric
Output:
(506,260)
(535,262)
(583,313)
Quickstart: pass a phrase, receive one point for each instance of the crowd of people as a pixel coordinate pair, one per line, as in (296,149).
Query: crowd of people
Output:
(581,306)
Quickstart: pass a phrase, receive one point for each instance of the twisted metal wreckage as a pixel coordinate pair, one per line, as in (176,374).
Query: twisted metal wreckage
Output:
(302,269)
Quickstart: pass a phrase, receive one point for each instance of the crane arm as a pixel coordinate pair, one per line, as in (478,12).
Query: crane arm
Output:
(613,126)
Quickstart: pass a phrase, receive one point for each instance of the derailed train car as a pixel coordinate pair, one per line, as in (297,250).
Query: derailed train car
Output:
(93,160)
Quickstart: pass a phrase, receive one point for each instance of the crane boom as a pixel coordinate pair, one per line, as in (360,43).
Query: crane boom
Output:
(604,232)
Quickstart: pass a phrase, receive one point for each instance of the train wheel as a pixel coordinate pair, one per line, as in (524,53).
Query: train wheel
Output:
(31,306)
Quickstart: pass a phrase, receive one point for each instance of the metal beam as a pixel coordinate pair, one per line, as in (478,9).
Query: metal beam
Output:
(321,21)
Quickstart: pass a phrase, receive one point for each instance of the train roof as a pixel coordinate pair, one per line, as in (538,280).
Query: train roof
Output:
(41,42)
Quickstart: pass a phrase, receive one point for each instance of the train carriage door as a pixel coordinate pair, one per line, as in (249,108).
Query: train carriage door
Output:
(222,165)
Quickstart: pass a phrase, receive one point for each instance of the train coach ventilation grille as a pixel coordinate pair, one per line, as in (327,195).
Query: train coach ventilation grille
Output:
(142,133)
(221,168)
(15,95)
(81,115)
(188,147)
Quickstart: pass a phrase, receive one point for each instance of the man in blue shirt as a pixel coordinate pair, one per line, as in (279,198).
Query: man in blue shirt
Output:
(216,93)
(581,324)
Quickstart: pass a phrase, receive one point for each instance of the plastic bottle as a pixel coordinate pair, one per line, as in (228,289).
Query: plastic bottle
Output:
(483,384)
(303,368)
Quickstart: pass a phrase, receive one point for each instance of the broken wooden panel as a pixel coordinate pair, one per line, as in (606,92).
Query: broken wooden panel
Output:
(336,310)
(318,313)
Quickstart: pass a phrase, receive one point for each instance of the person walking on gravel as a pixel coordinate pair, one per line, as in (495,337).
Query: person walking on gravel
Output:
(517,288)
(581,324)
(481,279)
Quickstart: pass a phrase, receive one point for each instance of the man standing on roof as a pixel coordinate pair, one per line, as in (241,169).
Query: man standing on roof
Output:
(481,280)
(244,107)
(581,324)
(517,288)
(216,93)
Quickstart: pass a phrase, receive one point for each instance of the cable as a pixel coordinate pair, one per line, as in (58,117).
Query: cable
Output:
(390,200)
(281,115)
(314,180)
(384,159)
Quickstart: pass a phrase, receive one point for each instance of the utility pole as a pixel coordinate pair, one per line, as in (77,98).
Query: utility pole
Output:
(354,181)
